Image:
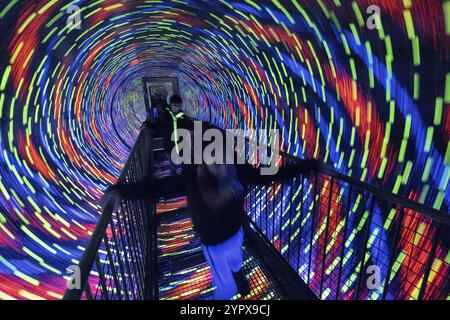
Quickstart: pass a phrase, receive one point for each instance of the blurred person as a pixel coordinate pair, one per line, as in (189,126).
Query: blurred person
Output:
(159,105)
(215,195)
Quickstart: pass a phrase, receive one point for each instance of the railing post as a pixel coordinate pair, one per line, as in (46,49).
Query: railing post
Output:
(155,253)
(266,214)
(87,291)
(132,243)
(124,237)
(102,278)
(430,261)
(312,226)
(290,222)
(111,262)
(393,251)
(341,262)
(281,218)
(300,229)
(254,204)
(87,259)
(326,237)
(121,267)
(149,294)
(366,240)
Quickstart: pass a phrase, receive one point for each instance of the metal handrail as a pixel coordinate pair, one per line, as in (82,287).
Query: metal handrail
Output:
(87,260)
(315,232)
(437,215)
(405,210)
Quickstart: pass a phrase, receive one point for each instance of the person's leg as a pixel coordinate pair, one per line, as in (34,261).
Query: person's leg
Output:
(235,252)
(221,273)
(235,260)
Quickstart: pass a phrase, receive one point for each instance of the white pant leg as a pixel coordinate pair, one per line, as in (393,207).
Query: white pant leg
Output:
(235,257)
(224,259)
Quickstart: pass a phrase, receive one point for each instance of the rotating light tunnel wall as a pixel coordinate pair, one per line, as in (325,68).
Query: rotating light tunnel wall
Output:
(372,103)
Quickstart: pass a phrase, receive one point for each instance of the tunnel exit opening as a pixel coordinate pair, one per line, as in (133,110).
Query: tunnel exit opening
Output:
(157,91)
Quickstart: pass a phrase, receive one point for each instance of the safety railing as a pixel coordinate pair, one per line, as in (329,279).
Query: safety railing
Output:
(350,240)
(118,260)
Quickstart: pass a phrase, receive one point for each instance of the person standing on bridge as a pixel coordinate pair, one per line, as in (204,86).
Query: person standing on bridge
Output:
(215,195)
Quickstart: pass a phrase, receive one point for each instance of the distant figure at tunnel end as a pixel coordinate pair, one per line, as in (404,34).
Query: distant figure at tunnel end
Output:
(215,195)
(171,120)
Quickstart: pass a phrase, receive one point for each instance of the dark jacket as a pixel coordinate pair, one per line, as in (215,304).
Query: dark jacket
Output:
(167,126)
(213,228)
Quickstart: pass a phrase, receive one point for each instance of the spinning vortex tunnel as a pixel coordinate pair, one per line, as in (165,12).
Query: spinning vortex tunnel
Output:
(368,96)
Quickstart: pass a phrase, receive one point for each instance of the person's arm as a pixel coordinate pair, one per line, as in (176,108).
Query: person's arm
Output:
(147,189)
(152,189)
(143,190)
(251,175)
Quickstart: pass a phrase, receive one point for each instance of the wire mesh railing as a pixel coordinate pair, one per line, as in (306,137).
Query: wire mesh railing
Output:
(344,238)
(117,262)
(350,240)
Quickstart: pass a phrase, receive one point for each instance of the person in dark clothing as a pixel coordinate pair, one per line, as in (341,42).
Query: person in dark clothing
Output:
(172,119)
(216,202)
